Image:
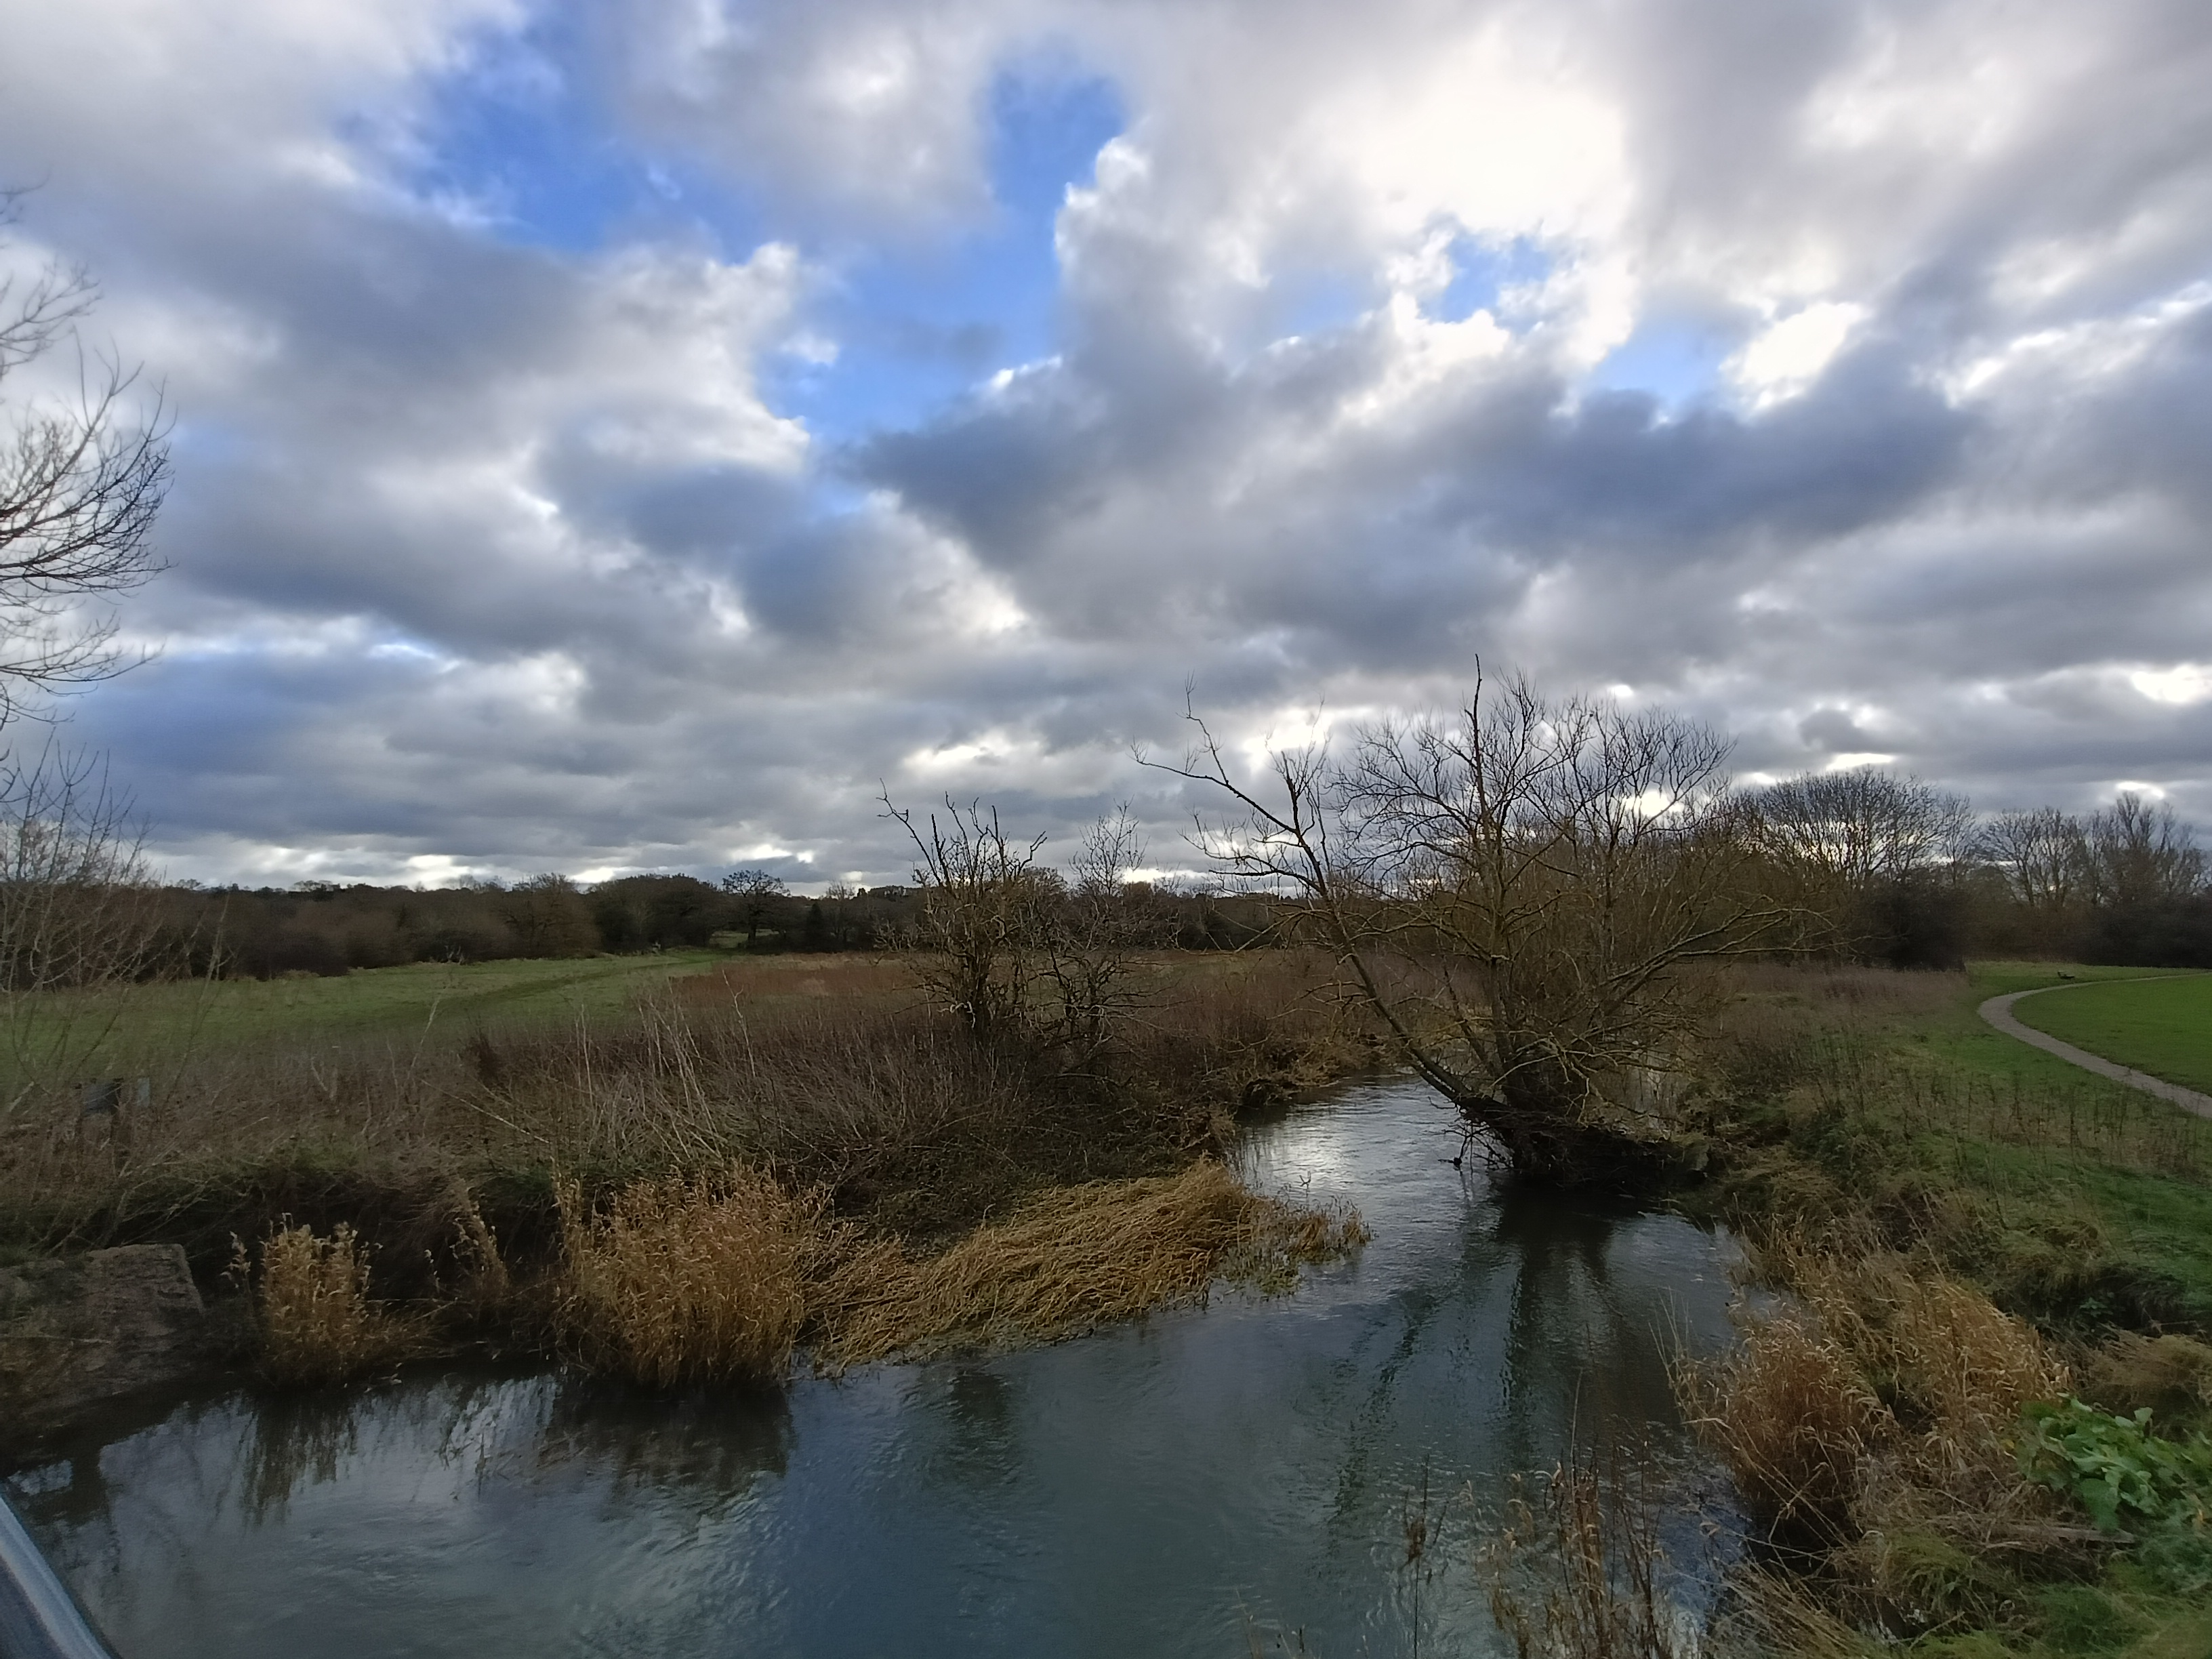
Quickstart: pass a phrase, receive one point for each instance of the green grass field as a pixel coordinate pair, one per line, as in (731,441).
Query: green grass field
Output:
(1957,1033)
(2161,1026)
(2069,1196)
(148,1028)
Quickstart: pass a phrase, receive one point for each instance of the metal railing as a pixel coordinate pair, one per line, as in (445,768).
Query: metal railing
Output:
(39,1617)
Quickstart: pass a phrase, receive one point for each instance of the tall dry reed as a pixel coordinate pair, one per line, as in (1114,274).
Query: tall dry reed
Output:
(318,1322)
(688,1279)
(1577,1571)
(1870,1423)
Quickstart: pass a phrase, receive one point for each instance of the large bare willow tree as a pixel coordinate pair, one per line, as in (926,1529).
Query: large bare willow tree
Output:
(1517,891)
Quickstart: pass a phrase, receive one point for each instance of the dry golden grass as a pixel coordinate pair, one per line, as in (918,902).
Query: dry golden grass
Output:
(1951,1361)
(1872,1421)
(1793,1419)
(318,1322)
(688,1280)
(715,1278)
(2171,1374)
(1577,1572)
(1769,1614)
(1883,1398)
(1072,1260)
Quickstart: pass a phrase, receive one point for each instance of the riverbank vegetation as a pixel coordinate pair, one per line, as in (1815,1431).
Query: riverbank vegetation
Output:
(544,1185)
(1967,1413)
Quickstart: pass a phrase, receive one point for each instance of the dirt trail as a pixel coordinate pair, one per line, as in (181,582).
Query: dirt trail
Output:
(1998,1011)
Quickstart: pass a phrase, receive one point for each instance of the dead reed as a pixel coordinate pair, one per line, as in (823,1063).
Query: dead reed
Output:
(1070,1260)
(1793,1419)
(1870,1424)
(2172,1374)
(1887,1383)
(318,1322)
(688,1279)
(1577,1571)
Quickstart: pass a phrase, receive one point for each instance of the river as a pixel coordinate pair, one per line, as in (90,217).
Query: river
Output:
(1212,1481)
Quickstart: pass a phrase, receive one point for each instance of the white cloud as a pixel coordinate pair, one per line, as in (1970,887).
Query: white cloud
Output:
(2182,684)
(1789,355)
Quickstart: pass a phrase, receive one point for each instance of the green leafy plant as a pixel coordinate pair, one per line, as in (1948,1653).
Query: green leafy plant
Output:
(2116,1468)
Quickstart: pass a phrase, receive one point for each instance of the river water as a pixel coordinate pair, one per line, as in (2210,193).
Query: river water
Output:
(1211,1481)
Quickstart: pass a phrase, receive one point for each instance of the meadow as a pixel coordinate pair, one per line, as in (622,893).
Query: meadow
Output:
(681,1167)
(153,1030)
(2161,1026)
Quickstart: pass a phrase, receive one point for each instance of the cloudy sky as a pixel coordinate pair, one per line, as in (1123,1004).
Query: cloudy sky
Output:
(626,433)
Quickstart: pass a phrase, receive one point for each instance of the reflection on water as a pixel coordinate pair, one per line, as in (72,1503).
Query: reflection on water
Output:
(1194,1483)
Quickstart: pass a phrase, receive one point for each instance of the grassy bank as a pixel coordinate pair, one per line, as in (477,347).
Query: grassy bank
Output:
(476,1163)
(1882,1099)
(1994,1261)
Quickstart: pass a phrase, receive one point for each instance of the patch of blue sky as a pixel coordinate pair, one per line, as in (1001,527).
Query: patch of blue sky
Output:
(1674,361)
(1483,274)
(918,326)
(512,139)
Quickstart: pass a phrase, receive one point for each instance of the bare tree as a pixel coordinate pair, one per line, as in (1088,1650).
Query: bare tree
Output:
(1092,934)
(1851,828)
(549,917)
(2140,856)
(981,896)
(2043,856)
(1866,859)
(1517,891)
(1012,946)
(80,914)
(758,894)
(80,483)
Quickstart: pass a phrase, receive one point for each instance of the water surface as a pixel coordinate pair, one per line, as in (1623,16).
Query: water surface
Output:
(1199,1483)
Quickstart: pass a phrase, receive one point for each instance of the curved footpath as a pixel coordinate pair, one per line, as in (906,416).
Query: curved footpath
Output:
(1998,1011)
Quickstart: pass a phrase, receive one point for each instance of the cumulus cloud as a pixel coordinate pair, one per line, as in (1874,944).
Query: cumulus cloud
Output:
(506,538)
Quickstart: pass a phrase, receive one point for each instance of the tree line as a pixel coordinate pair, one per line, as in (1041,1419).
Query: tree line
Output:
(329,928)
(1870,866)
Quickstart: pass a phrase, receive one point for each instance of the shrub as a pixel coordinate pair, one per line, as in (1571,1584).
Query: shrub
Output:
(2115,1468)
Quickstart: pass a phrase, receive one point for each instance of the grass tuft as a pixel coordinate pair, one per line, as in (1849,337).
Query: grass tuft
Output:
(318,1322)
(1790,1414)
(688,1280)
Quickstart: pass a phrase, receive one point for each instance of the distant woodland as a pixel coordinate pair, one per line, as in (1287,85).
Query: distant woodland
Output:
(1879,869)
(327,928)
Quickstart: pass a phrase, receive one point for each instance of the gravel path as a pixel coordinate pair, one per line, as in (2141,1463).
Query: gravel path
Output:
(1998,1011)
